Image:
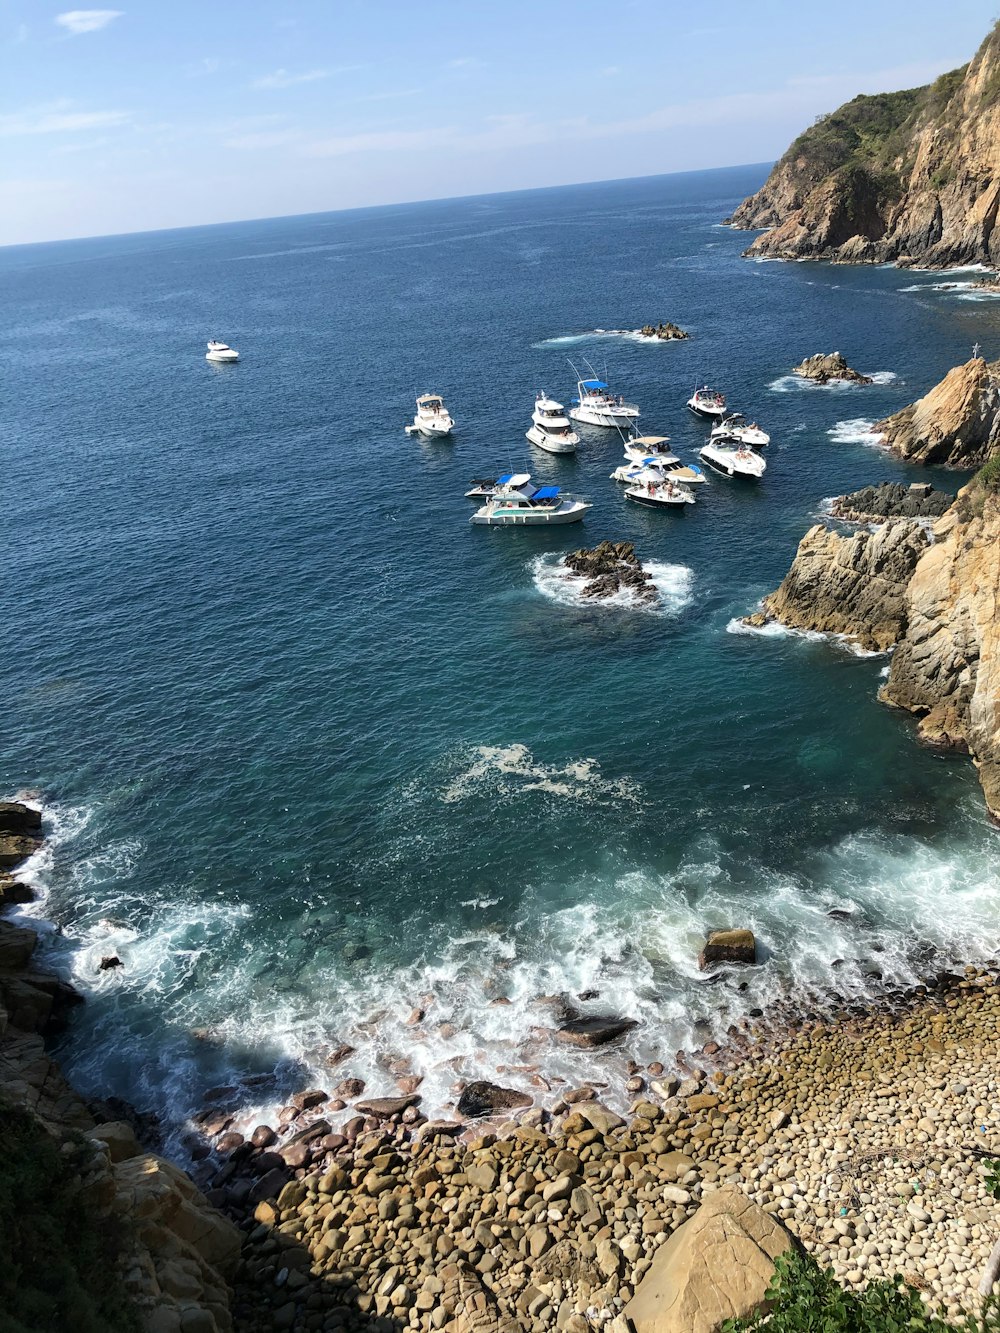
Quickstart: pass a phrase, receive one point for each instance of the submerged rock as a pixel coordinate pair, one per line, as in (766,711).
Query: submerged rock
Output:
(825,368)
(595,1031)
(956,423)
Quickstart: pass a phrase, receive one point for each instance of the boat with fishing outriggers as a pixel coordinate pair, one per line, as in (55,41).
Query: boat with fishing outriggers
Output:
(514,501)
(596,405)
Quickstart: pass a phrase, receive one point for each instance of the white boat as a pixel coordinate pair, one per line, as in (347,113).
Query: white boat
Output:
(596,405)
(641,449)
(736,427)
(706,402)
(432,419)
(516,503)
(218,351)
(483,487)
(733,460)
(659,492)
(550,429)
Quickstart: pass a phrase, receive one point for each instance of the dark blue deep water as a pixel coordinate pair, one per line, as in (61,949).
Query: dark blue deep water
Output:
(316,751)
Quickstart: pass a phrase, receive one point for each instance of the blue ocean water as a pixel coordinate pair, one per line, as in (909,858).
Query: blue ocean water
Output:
(317,752)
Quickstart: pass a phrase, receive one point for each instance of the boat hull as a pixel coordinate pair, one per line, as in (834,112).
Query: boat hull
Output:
(658,502)
(592,416)
(532,520)
(731,468)
(708,413)
(551,444)
(222,358)
(430,432)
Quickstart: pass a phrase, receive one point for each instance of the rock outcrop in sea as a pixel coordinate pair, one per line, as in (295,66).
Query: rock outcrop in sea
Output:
(934,600)
(957,423)
(829,367)
(610,568)
(891,499)
(910,177)
(665,331)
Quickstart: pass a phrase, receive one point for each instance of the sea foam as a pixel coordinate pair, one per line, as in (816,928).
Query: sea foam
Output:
(673,583)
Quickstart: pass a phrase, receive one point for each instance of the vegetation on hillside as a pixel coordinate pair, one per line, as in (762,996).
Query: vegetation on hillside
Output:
(59,1261)
(805,1299)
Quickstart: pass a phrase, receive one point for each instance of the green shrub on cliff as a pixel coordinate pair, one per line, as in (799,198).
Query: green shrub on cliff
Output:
(988,476)
(805,1299)
(58,1260)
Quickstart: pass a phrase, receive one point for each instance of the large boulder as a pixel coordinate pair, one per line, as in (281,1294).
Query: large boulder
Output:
(823,368)
(717,1266)
(18,818)
(482,1098)
(728,946)
(595,1031)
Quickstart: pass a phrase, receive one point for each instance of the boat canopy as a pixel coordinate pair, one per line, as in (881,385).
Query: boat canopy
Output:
(546,493)
(502,481)
(429,398)
(519,478)
(548,405)
(593,384)
(647,441)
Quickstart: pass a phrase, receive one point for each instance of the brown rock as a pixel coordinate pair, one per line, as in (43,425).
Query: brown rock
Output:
(728,946)
(594,1031)
(481,1098)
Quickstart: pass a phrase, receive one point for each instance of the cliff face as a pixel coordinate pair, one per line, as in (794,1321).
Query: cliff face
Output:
(956,423)
(912,176)
(855,586)
(947,665)
(938,603)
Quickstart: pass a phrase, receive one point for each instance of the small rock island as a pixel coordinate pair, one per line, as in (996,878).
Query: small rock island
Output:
(829,368)
(666,332)
(609,568)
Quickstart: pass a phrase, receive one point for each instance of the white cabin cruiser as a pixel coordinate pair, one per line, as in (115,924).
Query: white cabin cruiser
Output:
(596,405)
(222,352)
(645,449)
(658,492)
(706,402)
(736,427)
(515,502)
(484,487)
(733,460)
(550,429)
(432,419)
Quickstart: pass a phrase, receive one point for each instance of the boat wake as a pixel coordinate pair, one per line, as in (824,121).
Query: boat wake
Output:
(856,430)
(791,383)
(673,583)
(630,335)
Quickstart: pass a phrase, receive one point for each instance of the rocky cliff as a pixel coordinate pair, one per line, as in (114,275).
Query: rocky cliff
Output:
(956,423)
(854,585)
(946,668)
(103,1234)
(936,602)
(912,176)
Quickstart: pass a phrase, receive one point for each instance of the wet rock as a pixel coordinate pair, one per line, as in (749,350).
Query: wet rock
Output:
(822,369)
(263,1136)
(609,568)
(874,504)
(728,946)
(481,1098)
(383,1108)
(109,962)
(338,1056)
(597,1030)
(18,818)
(13,892)
(349,1088)
(665,331)
(304,1101)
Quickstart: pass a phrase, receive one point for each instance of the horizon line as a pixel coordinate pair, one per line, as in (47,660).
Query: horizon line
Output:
(362,208)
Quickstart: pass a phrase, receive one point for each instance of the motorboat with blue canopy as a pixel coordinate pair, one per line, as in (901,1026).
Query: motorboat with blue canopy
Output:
(483,487)
(515,502)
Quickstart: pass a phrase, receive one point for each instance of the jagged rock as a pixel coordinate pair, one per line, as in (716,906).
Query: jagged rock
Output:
(609,568)
(891,499)
(728,946)
(482,1098)
(956,423)
(910,177)
(109,963)
(18,818)
(826,368)
(665,331)
(852,585)
(715,1267)
(382,1108)
(946,669)
(13,892)
(595,1031)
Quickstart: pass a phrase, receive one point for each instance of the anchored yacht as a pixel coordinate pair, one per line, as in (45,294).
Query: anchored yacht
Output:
(655,491)
(596,405)
(736,427)
(550,429)
(706,402)
(432,419)
(733,460)
(647,449)
(515,502)
(222,352)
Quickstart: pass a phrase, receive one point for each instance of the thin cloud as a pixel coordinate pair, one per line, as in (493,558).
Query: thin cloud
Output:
(58,118)
(465,62)
(610,71)
(282,78)
(77,21)
(206,65)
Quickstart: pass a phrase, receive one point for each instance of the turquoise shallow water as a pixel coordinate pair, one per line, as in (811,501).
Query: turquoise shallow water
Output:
(316,751)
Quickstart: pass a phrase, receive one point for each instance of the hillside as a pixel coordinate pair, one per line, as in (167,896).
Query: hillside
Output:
(910,177)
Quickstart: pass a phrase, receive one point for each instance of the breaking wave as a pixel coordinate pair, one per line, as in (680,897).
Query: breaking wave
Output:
(673,583)
(856,430)
(791,383)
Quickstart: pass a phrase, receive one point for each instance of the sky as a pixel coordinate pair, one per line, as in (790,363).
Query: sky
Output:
(159,115)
